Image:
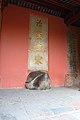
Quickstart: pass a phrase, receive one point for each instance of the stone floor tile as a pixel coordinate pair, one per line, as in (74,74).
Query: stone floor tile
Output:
(59,103)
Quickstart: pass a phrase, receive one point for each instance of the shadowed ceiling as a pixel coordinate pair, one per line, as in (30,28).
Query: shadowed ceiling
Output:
(69,10)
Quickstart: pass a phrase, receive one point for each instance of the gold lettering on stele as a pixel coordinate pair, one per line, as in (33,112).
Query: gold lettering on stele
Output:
(38,59)
(38,46)
(39,23)
(39,35)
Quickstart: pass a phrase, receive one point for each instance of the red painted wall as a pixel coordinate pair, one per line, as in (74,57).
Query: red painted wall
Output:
(0,49)
(0,57)
(78,30)
(79,51)
(14,47)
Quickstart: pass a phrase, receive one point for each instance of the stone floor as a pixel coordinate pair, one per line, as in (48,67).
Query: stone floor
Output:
(55,104)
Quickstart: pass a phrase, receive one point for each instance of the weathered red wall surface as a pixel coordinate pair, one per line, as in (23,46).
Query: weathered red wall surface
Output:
(14,47)
(0,50)
(77,29)
(0,57)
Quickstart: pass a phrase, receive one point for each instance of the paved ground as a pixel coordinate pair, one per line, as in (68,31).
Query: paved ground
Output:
(55,104)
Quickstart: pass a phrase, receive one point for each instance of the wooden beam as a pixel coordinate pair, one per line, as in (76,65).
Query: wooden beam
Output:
(60,4)
(45,5)
(55,2)
(77,1)
(73,19)
(0,5)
